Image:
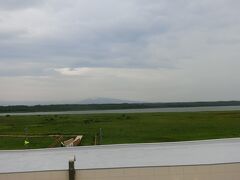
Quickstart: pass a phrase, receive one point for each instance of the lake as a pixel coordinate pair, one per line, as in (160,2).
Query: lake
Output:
(147,110)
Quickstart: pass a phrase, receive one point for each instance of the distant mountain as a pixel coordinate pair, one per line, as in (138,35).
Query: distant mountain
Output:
(101,100)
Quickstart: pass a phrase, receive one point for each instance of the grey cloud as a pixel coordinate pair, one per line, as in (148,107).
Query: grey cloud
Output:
(95,47)
(10,35)
(16,4)
(183,37)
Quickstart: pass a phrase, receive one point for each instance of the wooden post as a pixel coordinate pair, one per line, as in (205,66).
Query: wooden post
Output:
(71,170)
(100,136)
(95,139)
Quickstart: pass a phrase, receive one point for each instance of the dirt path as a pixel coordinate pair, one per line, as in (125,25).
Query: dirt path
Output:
(35,136)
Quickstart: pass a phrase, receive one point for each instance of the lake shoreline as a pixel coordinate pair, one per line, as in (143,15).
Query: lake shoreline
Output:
(142,110)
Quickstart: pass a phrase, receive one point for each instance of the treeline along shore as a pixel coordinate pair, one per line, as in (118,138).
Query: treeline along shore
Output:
(84,107)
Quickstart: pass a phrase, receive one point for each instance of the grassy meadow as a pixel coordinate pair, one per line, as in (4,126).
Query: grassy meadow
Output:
(118,128)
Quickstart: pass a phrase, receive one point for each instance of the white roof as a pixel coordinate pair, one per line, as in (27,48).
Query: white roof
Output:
(119,156)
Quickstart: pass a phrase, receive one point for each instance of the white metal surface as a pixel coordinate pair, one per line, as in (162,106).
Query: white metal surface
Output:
(118,156)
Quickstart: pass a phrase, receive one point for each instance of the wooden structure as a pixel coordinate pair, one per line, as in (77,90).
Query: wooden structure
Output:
(73,141)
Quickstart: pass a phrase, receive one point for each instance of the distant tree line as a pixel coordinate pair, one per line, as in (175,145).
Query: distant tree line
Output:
(82,107)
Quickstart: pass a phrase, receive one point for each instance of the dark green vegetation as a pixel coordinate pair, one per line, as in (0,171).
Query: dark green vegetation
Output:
(120,128)
(79,107)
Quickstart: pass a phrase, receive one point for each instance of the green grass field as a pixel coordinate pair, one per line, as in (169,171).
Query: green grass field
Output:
(120,128)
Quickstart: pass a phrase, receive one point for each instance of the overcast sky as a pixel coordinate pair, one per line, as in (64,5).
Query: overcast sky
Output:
(146,50)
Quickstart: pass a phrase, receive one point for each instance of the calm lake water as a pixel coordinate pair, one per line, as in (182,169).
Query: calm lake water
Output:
(180,109)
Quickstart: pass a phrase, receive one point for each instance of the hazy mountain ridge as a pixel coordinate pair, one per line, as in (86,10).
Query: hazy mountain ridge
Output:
(102,100)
